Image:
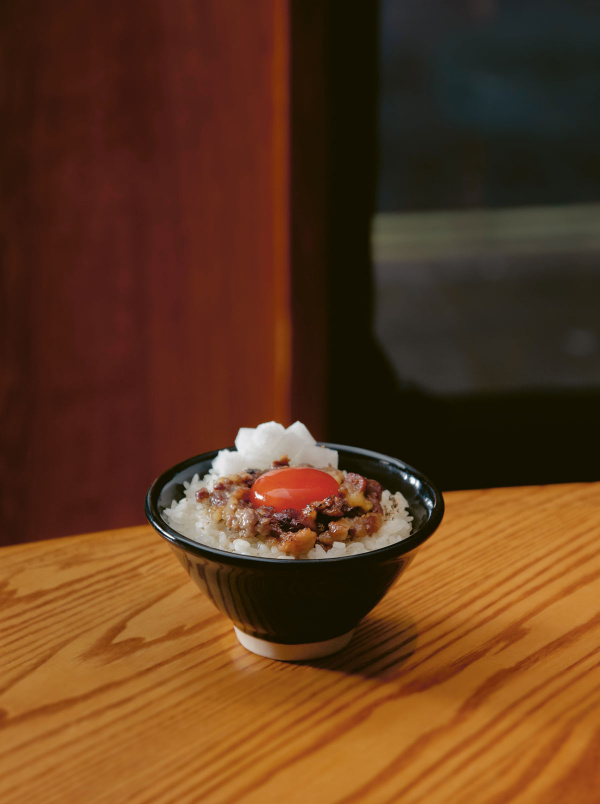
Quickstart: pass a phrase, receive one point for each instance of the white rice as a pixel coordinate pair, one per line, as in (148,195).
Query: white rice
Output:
(193,520)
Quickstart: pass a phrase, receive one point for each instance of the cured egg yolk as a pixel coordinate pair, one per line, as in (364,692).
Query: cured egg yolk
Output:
(292,487)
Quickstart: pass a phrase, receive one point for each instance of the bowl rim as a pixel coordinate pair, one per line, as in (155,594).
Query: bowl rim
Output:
(401,547)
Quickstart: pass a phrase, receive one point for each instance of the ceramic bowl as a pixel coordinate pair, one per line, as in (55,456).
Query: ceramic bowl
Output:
(300,609)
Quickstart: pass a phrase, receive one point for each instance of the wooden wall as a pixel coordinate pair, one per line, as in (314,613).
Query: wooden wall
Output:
(146,260)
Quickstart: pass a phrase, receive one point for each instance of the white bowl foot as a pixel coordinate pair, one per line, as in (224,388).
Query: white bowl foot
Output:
(293,653)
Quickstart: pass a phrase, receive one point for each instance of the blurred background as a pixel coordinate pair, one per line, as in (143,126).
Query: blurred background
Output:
(486,238)
(382,218)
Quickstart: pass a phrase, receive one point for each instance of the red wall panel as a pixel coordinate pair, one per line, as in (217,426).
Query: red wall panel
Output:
(145,266)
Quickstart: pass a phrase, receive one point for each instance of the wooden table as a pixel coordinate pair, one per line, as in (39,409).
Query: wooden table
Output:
(475,680)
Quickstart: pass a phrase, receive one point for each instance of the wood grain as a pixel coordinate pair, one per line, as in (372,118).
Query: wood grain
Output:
(475,680)
(144,288)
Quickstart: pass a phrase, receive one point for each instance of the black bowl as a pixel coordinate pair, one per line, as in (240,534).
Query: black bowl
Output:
(301,608)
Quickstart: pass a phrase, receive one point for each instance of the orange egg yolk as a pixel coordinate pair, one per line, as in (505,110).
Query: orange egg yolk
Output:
(292,487)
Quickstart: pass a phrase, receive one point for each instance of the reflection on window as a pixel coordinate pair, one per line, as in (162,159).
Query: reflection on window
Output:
(486,241)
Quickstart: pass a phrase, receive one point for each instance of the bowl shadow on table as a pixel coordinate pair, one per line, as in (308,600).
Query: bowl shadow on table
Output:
(379,649)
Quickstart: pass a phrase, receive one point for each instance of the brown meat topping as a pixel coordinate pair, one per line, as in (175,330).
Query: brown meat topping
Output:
(355,527)
(297,542)
(353,513)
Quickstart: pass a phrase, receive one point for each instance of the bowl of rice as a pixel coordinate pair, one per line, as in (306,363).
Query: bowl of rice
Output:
(295,566)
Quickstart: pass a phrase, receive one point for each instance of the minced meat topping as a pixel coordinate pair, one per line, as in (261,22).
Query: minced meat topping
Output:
(354,512)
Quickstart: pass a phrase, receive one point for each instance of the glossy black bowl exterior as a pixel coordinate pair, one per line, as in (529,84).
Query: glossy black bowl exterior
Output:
(301,600)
